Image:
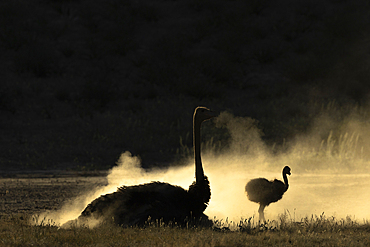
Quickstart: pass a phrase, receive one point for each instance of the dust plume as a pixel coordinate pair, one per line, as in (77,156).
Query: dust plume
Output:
(330,171)
(127,172)
(330,168)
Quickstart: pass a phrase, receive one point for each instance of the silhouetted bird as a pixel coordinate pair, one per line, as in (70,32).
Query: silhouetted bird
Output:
(134,205)
(264,192)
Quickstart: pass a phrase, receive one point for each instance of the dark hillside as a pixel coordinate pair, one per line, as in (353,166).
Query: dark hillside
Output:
(84,80)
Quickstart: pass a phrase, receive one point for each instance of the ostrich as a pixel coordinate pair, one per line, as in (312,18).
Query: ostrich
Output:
(264,192)
(134,205)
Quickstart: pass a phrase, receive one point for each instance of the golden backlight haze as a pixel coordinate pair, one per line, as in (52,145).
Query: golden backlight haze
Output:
(330,171)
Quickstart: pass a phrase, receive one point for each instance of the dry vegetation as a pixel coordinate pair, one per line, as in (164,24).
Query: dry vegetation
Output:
(315,231)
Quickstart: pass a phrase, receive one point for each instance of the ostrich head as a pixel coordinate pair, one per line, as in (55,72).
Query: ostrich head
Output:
(286,170)
(202,114)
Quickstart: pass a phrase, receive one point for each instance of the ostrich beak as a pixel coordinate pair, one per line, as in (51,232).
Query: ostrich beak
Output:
(212,114)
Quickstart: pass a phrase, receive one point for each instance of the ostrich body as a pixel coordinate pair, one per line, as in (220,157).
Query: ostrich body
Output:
(133,205)
(264,192)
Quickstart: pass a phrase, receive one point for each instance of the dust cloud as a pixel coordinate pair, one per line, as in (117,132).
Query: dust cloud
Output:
(330,171)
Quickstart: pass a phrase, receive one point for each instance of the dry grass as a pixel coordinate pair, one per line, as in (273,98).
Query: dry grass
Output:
(310,231)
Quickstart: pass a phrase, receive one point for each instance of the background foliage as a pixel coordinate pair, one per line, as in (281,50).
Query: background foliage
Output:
(84,80)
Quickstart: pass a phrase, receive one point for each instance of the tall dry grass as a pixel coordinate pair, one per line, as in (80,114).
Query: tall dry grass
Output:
(310,231)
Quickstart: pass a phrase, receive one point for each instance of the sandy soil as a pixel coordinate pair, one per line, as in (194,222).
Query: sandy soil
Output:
(36,193)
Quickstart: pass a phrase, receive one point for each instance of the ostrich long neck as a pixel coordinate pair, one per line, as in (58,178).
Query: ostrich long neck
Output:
(199,174)
(285,181)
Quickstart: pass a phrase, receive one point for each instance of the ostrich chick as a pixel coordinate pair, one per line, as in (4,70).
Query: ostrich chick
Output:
(264,192)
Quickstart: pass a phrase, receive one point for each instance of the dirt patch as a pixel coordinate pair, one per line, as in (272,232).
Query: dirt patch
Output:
(36,193)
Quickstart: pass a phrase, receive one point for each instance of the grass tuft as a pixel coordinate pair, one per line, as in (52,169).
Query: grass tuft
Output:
(313,230)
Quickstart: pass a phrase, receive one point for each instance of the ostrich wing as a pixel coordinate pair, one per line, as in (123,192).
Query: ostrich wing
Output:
(259,190)
(133,205)
(279,189)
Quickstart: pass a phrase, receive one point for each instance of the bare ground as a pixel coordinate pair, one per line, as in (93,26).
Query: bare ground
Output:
(38,192)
